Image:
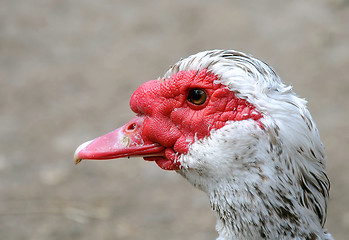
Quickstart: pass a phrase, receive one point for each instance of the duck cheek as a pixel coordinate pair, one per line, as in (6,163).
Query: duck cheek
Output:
(161,131)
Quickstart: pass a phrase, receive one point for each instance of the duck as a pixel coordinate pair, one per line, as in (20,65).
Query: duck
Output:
(226,122)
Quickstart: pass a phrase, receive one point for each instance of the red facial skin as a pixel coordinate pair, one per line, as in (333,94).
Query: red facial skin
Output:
(170,120)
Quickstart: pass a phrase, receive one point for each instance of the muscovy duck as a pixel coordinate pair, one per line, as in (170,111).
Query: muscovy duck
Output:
(226,122)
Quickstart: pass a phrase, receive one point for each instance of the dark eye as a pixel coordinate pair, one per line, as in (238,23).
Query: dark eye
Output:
(197,96)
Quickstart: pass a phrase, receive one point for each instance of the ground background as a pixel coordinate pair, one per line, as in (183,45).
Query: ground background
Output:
(68,68)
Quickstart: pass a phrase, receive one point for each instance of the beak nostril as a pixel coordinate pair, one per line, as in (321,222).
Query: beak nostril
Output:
(131,127)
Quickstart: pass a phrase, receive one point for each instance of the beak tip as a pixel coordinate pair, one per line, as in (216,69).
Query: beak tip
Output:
(77,158)
(77,161)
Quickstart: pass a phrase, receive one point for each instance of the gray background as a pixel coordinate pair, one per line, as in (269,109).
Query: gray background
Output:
(68,69)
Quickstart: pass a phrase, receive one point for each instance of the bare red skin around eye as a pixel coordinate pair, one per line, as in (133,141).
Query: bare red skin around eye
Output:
(174,122)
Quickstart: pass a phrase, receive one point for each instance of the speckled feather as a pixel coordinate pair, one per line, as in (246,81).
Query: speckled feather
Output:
(264,182)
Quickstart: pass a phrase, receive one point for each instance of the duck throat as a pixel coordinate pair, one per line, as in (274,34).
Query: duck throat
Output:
(238,213)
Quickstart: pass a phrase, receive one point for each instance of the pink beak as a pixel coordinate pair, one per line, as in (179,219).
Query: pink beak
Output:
(125,141)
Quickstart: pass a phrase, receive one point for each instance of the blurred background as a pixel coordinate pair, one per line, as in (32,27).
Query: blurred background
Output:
(68,69)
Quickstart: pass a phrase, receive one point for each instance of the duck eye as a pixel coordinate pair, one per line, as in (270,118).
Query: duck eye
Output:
(197,96)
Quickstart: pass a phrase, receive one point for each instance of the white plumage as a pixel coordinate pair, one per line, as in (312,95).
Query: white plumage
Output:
(267,183)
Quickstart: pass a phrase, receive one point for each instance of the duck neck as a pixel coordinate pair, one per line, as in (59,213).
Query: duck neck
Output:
(251,212)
